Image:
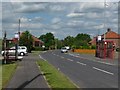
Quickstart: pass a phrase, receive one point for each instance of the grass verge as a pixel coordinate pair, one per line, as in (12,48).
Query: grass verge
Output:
(36,52)
(7,72)
(54,77)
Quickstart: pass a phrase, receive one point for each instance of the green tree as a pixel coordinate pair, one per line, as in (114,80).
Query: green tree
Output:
(58,43)
(26,40)
(82,40)
(48,40)
(69,41)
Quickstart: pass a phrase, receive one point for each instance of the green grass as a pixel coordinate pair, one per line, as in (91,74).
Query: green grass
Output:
(55,78)
(7,72)
(36,52)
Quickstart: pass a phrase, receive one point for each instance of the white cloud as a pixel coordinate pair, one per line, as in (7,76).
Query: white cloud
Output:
(28,7)
(24,19)
(57,8)
(56,20)
(38,18)
(75,15)
(60,18)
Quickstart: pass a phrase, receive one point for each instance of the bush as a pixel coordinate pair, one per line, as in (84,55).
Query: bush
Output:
(85,47)
(93,47)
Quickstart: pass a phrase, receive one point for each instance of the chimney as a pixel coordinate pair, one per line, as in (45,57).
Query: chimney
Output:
(109,29)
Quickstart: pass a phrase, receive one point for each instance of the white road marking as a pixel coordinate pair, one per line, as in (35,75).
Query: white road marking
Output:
(76,56)
(57,55)
(62,57)
(93,60)
(105,63)
(81,63)
(70,60)
(42,57)
(54,54)
(103,71)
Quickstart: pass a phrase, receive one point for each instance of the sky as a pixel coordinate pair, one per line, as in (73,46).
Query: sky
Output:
(60,18)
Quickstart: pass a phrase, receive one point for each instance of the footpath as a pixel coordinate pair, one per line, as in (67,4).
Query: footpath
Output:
(27,75)
(108,61)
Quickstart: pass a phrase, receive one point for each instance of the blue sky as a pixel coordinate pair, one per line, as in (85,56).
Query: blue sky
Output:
(60,18)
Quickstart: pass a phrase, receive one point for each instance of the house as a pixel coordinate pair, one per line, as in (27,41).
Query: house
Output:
(93,41)
(109,36)
(36,42)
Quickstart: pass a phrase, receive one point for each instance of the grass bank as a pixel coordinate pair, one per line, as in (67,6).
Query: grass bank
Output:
(7,72)
(54,77)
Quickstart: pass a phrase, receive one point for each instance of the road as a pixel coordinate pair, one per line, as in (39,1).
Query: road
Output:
(84,73)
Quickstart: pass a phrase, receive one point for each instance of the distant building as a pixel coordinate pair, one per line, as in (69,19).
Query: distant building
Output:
(36,42)
(109,36)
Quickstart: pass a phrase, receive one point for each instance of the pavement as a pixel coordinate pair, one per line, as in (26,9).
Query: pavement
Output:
(85,72)
(27,75)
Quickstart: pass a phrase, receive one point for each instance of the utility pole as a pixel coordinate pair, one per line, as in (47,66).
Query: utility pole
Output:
(19,30)
(19,27)
(17,37)
(4,45)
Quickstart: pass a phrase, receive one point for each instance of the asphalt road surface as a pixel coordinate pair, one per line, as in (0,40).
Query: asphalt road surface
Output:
(27,75)
(84,73)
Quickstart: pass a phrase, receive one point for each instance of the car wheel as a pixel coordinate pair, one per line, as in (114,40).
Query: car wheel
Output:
(3,54)
(22,54)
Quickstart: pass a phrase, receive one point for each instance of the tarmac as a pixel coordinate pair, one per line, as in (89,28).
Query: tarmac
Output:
(109,61)
(27,75)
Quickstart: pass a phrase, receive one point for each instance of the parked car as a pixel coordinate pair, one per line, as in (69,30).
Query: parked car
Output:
(22,50)
(64,50)
(67,47)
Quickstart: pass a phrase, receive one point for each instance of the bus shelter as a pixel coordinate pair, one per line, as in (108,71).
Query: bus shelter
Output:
(105,49)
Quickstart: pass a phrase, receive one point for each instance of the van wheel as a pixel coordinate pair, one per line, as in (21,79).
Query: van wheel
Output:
(22,54)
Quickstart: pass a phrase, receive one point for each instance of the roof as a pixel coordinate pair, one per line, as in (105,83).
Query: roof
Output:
(93,40)
(34,38)
(111,35)
(108,35)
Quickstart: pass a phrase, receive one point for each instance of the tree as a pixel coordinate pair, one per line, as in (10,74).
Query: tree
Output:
(82,40)
(68,41)
(58,43)
(48,40)
(26,40)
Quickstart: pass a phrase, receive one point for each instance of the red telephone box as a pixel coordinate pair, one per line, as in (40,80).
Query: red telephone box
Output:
(105,49)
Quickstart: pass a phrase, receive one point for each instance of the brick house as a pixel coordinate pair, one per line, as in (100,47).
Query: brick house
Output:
(36,42)
(109,36)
